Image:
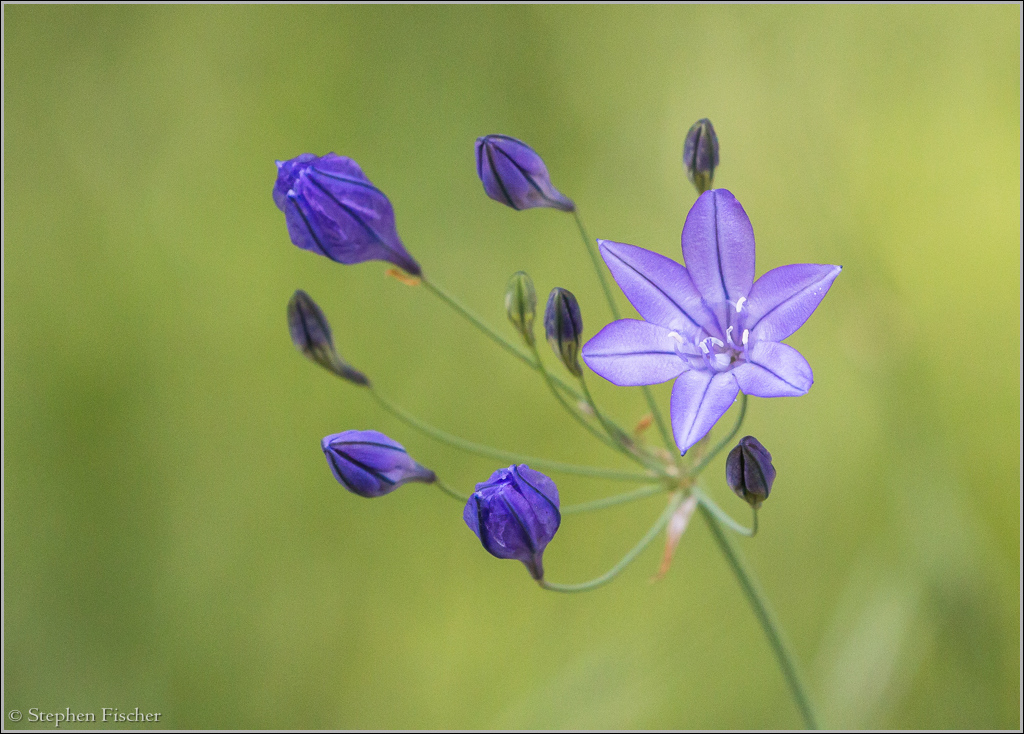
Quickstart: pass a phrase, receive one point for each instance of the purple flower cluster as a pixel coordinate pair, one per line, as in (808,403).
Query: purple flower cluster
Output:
(706,324)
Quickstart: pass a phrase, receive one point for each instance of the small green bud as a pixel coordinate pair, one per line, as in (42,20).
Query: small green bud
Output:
(521,304)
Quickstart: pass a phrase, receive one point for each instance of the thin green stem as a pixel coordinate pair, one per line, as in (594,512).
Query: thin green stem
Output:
(723,517)
(652,405)
(699,466)
(493,453)
(618,435)
(785,657)
(599,268)
(532,362)
(573,411)
(494,335)
(597,414)
(615,570)
(449,491)
(618,499)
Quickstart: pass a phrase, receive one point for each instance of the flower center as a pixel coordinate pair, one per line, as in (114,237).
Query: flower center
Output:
(708,352)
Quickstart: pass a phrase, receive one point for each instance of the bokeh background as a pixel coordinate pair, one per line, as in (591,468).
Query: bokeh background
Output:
(173,537)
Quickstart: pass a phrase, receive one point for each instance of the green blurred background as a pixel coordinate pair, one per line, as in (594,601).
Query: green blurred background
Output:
(173,537)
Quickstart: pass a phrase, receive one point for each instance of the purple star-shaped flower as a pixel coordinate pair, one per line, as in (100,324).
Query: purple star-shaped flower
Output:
(708,325)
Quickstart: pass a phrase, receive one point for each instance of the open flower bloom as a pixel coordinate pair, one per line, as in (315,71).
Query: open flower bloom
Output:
(370,464)
(515,514)
(708,325)
(331,208)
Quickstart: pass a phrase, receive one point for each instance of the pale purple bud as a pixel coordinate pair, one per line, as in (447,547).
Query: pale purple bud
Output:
(331,208)
(514,175)
(370,464)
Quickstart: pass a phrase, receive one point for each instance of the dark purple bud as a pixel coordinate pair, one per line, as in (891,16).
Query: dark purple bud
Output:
(514,175)
(312,335)
(749,471)
(521,304)
(700,154)
(370,464)
(564,326)
(515,514)
(332,209)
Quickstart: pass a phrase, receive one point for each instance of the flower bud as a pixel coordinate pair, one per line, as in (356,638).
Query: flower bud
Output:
(370,464)
(700,154)
(564,326)
(515,514)
(514,175)
(521,304)
(331,208)
(749,471)
(312,335)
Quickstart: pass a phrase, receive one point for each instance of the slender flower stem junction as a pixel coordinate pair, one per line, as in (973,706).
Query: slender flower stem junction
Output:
(786,658)
(531,361)
(615,570)
(493,453)
(723,517)
(572,410)
(480,324)
(618,499)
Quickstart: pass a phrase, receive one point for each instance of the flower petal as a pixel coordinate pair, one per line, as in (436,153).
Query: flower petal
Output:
(630,352)
(699,399)
(287,172)
(718,250)
(784,298)
(774,370)
(546,511)
(339,165)
(350,225)
(305,228)
(659,288)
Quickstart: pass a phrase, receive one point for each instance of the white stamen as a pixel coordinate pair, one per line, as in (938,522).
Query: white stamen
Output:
(674,335)
(728,335)
(739,303)
(704,347)
(746,335)
(716,342)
